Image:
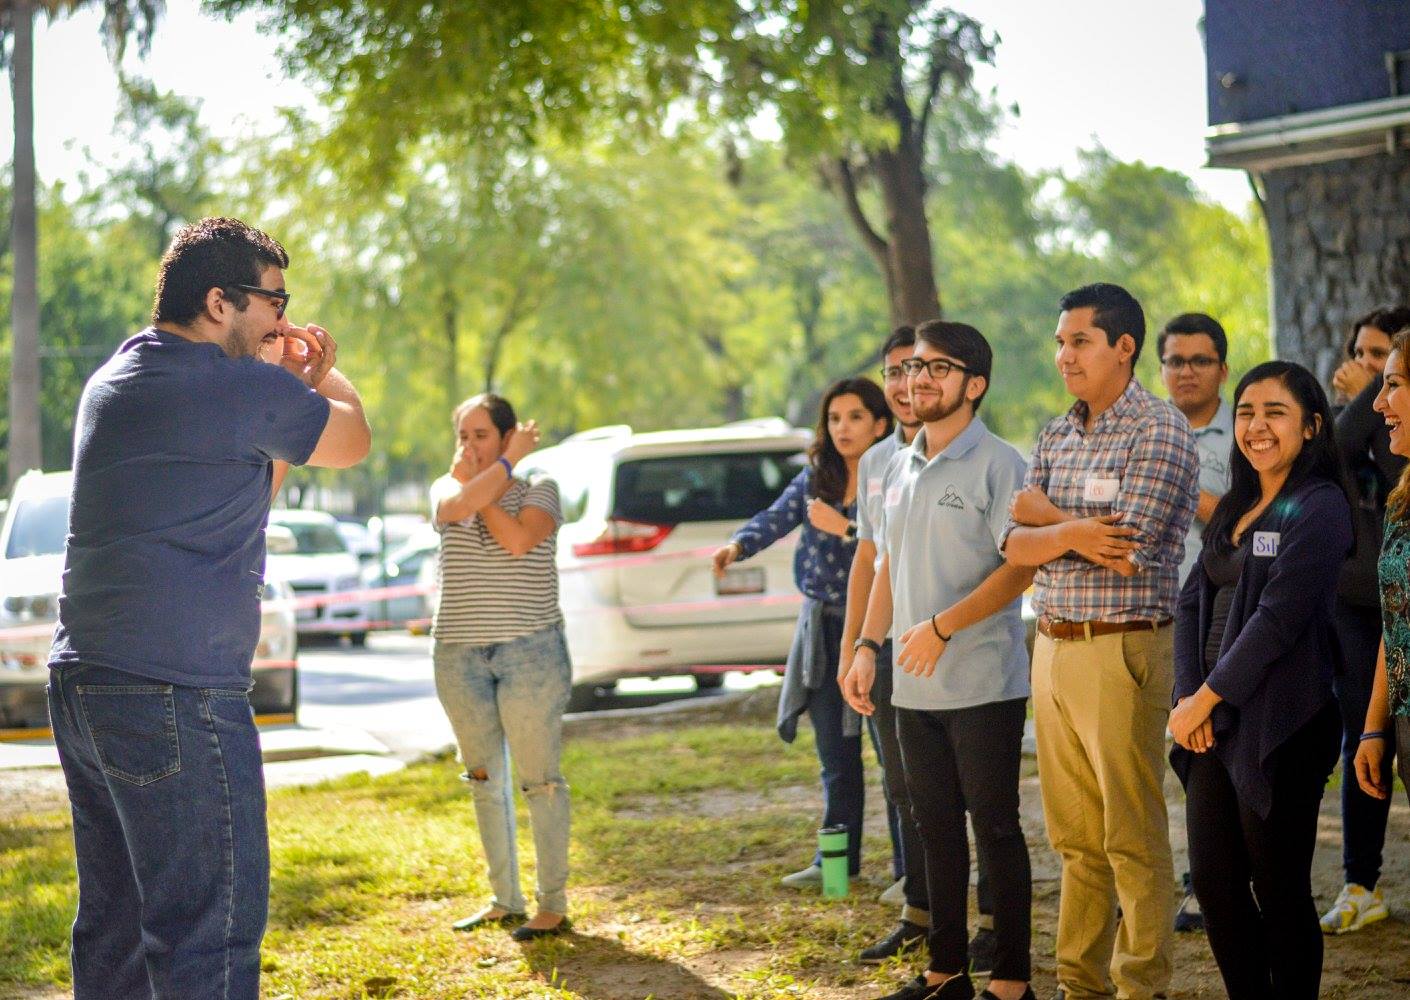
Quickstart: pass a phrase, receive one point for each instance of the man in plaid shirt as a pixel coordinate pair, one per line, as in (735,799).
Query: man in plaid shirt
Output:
(1109,494)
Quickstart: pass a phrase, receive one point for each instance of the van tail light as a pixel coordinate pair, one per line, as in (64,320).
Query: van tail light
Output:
(623,538)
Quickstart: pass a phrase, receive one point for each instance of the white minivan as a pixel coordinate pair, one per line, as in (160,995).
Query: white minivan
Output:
(642,515)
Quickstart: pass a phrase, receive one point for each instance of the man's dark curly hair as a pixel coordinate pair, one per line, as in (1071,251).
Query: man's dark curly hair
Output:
(212,253)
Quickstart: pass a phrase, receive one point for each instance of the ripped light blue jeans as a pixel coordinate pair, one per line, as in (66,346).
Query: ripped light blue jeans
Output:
(505,702)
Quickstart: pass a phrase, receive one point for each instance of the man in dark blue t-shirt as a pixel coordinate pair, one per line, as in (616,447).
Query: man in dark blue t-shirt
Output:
(181,439)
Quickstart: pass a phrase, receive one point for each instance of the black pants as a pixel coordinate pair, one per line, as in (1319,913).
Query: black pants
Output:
(966,761)
(907,857)
(1253,876)
(1363,818)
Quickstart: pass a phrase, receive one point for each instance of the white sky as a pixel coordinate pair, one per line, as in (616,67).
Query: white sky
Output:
(1128,75)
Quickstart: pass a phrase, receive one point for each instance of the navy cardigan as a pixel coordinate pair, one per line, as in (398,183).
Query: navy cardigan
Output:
(1279,652)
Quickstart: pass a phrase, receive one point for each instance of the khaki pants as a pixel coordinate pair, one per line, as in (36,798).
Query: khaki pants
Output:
(1101,708)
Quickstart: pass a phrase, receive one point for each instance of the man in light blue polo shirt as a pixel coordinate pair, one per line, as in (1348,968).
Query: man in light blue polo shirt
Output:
(915,912)
(947,593)
(1193,350)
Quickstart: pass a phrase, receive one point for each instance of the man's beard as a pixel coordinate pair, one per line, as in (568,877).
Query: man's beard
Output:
(237,342)
(939,411)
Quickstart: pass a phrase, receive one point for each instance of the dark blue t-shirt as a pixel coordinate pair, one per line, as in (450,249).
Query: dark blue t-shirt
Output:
(171,490)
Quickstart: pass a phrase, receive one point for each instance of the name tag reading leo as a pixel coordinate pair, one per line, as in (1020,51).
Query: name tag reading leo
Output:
(1100,490)
(1265,543)
(893,496)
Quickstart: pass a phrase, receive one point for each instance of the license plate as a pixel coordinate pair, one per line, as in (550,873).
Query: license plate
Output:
(748,580)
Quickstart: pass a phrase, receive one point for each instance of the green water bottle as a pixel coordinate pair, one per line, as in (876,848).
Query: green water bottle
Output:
(832,847)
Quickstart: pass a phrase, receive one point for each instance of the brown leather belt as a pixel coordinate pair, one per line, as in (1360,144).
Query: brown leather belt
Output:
(1056,628)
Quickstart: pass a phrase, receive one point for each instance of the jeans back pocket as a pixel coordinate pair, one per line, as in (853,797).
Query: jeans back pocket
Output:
(133,728)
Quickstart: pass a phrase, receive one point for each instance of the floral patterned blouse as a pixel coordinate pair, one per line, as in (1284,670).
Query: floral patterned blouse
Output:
(822,561)
(1394,568)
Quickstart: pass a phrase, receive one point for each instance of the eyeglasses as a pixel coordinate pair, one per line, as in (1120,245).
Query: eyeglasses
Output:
(281,299)
(938,368)
(892,373)
(1202,363)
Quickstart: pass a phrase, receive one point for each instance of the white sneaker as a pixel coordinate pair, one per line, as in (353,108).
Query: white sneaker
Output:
(895,895)
(1355,907)
(806,879)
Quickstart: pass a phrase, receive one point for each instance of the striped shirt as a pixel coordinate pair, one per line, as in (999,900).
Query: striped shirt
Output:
(1139,460)
(485,594)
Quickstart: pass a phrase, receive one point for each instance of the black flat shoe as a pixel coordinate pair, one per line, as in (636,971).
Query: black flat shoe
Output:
(955,988)
(1027,995)
(527,933)
(906,936)
(483,919)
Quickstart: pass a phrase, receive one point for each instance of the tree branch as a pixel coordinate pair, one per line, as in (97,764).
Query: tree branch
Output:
(840,178)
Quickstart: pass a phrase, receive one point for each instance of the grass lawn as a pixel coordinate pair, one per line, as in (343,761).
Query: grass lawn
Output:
(678,842)
(680,832)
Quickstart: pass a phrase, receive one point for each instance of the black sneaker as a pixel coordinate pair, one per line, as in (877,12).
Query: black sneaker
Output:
(1188,918)
(1027,995)
(981,951)
(905,937)
(955,988)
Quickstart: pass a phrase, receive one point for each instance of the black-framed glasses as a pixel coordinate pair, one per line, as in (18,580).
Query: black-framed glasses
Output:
(1200,363)
(281,299)
(892,373)
(938,368)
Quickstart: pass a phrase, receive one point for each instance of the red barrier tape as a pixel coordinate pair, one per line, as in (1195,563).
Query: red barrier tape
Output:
(371,596)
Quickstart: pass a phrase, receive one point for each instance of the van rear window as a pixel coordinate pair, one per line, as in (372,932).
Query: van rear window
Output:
(719,486)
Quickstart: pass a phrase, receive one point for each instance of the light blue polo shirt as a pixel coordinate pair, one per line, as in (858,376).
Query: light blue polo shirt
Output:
(870,472)
(942,520)
(1213,442)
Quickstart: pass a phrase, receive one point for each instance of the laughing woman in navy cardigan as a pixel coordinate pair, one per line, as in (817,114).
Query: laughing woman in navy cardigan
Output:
(1255,722)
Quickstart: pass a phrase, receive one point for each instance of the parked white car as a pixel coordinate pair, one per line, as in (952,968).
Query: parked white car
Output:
(642,514)
(307,551)
(32,539)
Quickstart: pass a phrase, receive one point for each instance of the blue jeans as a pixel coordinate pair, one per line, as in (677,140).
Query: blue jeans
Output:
(843,779)
(507,700)
(167,790)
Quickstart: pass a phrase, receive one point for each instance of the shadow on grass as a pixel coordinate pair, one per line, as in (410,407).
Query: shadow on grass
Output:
(599,968)
(320,887)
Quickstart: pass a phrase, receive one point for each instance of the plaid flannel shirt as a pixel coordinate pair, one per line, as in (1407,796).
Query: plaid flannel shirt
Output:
(1146,445)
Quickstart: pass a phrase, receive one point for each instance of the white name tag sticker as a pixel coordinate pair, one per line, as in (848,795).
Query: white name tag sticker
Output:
(1100,490)
(1265,543)
(893,496)
(873,487)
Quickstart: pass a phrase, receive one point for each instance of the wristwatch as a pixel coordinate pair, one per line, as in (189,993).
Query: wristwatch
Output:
(851,533)
(871,644)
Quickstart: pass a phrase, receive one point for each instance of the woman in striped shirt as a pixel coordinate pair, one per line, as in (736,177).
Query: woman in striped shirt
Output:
(501,662)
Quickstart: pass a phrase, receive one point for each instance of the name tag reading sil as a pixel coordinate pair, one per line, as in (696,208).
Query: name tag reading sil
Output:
(1100,490)
(873,487)
(893,496)
(1265,543)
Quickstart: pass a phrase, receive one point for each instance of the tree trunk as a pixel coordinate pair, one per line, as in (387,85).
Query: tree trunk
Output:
(910,258)
(1340,239)
(450,322)
(24,308)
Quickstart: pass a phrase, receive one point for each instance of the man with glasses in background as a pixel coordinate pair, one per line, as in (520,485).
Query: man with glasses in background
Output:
(181,439)
(1193,353)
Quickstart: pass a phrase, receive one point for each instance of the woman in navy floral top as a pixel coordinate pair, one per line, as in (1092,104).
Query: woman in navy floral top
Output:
(1388,719)
(823,499)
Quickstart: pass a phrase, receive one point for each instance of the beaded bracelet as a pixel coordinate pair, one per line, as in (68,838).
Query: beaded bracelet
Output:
(1379,734)
(936,629)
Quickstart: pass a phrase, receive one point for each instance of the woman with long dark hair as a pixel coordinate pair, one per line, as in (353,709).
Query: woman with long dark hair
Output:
(1374,469)
(823,499)
(1255,721)
(1388,717)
